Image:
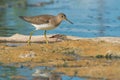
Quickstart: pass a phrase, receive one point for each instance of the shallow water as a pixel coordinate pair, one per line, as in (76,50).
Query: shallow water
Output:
(91,18)
(7,73)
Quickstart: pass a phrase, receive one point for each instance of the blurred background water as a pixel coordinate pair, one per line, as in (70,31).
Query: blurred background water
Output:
(91,18)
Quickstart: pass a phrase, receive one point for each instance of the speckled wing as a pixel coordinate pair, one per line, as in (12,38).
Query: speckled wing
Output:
(42,19)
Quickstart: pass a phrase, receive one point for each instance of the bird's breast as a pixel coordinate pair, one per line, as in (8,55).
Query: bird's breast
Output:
(44,26)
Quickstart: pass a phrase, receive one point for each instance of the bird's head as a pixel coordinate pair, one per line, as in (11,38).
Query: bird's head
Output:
(62,16)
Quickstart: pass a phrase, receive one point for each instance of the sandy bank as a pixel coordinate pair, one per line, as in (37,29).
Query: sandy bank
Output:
(67,53)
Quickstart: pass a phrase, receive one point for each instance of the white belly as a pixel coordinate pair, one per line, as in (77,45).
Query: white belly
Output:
(44,26)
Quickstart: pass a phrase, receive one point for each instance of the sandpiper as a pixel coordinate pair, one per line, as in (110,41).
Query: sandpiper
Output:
(44,22)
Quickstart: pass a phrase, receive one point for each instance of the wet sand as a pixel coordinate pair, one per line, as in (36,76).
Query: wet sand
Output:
(94,59)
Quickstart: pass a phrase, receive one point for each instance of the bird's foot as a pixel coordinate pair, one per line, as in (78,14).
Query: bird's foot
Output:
(29,42)
(47,42)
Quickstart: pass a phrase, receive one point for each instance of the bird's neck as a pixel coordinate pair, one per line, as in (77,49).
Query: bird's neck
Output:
(58,21)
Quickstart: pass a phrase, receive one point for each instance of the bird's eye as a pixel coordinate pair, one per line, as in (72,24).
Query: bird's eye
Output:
(62,16)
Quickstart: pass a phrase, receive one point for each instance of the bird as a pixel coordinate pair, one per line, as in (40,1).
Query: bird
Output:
(44,22)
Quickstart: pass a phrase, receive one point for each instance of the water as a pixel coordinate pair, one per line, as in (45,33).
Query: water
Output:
(7,73)
(91,18)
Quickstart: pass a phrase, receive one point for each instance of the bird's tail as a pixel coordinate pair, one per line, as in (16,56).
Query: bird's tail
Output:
(28,19)
(22,17)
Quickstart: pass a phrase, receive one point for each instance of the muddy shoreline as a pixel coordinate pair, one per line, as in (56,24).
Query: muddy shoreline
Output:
(94,59)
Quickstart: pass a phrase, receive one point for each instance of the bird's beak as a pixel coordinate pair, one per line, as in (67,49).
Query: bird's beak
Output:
(69,21)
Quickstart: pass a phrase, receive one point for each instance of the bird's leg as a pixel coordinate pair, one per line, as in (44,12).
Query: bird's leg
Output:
(31,33)
(45,37)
